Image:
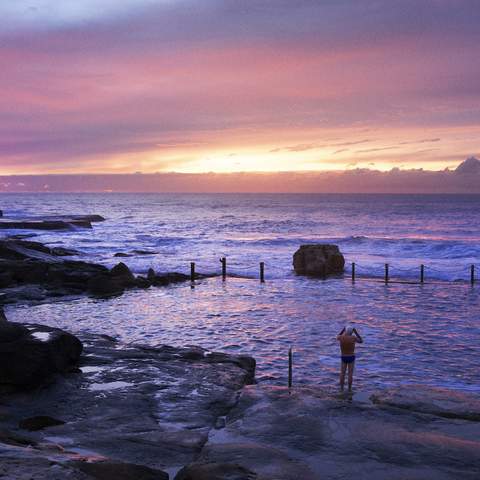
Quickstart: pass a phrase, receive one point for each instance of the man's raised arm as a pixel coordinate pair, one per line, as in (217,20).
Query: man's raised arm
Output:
(359,338)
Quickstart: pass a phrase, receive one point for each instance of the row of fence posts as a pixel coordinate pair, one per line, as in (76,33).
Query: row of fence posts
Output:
(223,261)
(422,273)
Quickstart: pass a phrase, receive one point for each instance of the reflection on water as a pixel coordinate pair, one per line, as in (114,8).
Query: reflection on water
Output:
(426,334)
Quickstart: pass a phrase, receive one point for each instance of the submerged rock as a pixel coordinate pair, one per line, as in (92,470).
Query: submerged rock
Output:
(318,260)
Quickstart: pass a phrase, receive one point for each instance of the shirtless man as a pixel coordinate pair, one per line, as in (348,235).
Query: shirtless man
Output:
(348,337)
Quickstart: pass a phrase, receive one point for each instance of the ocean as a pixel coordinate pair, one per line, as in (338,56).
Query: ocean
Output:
(414,333)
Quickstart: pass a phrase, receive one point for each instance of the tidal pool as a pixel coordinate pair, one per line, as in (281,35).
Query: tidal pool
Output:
(428,334)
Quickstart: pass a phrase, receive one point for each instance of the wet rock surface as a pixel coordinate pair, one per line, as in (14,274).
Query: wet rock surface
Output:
(135,412)
(310,434)
(318,260)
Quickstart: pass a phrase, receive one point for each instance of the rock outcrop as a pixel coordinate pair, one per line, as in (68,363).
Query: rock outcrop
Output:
(134,412)
(318,260)
(30,354)
(32,271)
(307,433)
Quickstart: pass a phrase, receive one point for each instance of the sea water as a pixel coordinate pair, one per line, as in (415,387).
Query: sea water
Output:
(413,333)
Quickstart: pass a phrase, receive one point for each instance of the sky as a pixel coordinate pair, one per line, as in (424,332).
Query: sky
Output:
(103,86)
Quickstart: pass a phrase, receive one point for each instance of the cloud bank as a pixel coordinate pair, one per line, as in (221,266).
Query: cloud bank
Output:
(464,179)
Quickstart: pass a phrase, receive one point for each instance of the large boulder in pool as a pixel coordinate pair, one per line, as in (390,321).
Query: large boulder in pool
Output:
(30,354)
(318,260)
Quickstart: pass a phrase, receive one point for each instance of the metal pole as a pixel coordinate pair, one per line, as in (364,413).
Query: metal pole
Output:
(192,271)
(224,268)
(262,272)
(353,271)
(386,273)
(422,273)
(290,362)
(472,274)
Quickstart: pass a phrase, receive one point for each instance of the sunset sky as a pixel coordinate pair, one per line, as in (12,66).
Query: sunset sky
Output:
(110,86)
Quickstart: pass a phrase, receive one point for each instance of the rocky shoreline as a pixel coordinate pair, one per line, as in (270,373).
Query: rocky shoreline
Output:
(32,271)
(133,412)
(115,412)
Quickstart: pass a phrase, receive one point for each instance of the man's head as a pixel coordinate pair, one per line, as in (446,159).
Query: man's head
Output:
(348,330)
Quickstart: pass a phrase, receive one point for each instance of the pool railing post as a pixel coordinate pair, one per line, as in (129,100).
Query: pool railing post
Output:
(262,272)
(386,273)
(422,273)
(472,274)
(353,271)
(224,268)
(192,271)
(290,362)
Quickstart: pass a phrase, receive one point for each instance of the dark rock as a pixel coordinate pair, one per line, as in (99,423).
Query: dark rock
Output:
(32,353)
(142,282)
(24,292)
(160,281)
(39,422)
(318,260)
(122,254)
(89,218)
(30,271)
(26,264)
(175,277)
(6,279)
(43,224)
(9,438)
(167,278)
(123,275)
(215,471)
(105,285)
(122,271)
(3,317)
(145,252)
(22,249)
(63,252)
(10,332)
(151,274)
(112,470)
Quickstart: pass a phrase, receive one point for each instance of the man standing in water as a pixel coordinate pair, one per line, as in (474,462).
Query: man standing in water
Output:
(348,337)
